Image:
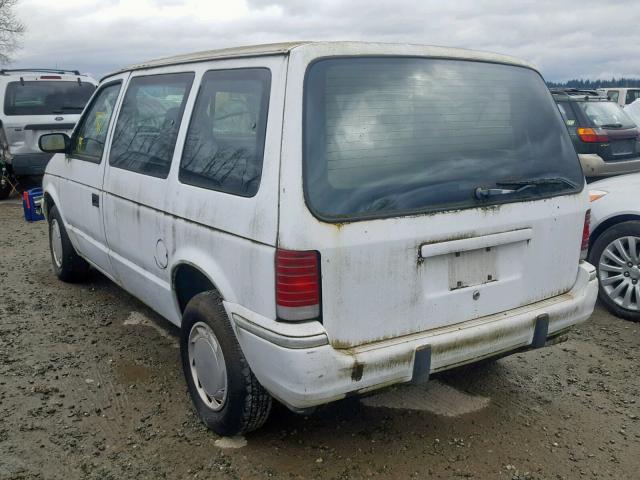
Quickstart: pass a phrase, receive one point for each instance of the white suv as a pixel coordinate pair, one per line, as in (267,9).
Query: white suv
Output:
(326,219)
(34,102)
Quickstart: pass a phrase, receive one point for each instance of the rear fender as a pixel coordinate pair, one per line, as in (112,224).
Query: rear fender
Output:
(207,266)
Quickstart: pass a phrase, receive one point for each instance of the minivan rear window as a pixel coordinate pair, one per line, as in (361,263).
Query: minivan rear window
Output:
(393,135)
(44,97)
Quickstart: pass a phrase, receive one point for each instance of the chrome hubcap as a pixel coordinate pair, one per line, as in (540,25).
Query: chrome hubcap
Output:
(619,272)
(56,243)
(208,369)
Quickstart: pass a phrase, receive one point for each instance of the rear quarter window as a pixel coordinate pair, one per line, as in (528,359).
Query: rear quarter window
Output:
(391,136)
(224,147)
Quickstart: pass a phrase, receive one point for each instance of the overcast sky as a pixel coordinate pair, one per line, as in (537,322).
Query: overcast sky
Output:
(565,39)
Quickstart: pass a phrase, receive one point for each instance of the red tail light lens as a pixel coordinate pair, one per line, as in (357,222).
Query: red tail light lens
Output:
(592,135)
(584,247)
(297,285)
(50,77)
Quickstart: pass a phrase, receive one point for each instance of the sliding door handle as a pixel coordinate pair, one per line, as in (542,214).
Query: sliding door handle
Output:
(95,200)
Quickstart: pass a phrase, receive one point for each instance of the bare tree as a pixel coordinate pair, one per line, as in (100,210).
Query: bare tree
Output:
(11,29)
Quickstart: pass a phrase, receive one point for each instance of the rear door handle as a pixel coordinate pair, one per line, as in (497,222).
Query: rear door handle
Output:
(95,200)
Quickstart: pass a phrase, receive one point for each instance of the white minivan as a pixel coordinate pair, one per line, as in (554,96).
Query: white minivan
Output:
(322,220)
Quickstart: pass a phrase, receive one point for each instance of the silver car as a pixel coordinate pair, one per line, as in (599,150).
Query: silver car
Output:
(35,102)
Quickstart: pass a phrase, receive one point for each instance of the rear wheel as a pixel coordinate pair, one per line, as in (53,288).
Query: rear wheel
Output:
(616,255)
(227,396)
(67,264)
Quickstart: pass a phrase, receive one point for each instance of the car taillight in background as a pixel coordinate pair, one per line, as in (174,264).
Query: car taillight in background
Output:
(592,135)
(584,246)
(297,285)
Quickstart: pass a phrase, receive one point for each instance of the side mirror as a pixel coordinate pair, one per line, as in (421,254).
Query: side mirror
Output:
(54,143)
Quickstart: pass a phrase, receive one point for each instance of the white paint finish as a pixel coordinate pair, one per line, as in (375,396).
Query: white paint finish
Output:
(475,243)
(134,221)
(374,283)
(622,198)
(382,299)
(319,48)
(82,179)
(252,218)
(309,377)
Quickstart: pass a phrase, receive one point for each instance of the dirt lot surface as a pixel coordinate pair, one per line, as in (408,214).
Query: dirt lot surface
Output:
(91,387)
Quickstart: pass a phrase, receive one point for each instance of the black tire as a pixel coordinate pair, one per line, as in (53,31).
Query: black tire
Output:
(620,230)
(247,404)
(71,267)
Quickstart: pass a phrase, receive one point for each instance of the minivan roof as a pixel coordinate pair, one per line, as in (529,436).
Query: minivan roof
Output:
(338,48)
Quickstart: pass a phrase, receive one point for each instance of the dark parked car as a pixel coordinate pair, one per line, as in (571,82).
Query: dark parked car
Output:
(604,136)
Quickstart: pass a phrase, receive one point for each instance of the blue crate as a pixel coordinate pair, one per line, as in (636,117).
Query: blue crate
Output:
(32,205)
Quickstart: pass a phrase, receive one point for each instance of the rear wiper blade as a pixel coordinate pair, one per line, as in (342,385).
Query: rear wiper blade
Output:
(611,125)
(536,181)
(484,193)
(520,186)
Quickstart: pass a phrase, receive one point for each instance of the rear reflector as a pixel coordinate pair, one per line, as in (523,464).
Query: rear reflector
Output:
(592,135)
(584,247)
(297,285)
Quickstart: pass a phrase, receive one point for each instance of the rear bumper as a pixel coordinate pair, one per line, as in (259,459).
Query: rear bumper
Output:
(594,166)
(296,364)
(30,164)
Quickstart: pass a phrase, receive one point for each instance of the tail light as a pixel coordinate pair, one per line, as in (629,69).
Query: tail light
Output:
(592,135)
(50,77)
(297,285)
(584,246)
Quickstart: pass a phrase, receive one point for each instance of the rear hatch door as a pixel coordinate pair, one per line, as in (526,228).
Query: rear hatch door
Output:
(612,121)
(38,104)
(437,191)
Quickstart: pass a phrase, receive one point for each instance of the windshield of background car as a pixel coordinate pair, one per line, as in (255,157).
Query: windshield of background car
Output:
(606,114)
(389,136)
(43,97)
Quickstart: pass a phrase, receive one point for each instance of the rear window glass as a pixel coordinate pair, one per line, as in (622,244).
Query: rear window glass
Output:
(606,114)
(386,136)
(46,97)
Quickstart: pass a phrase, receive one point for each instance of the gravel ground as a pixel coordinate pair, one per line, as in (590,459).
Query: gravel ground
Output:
(91,387)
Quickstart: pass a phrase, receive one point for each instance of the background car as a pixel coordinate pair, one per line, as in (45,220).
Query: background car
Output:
(604,136)
(35,102)
(614,246)
(622,96)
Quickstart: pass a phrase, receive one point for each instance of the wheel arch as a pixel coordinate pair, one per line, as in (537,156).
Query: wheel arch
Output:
(188,280)
(608,223)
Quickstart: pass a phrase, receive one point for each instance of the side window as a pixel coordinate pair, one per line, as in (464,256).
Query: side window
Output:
(567,114)
(88,140)
(632,96)
(224,147)
(148,123)
(613,95)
